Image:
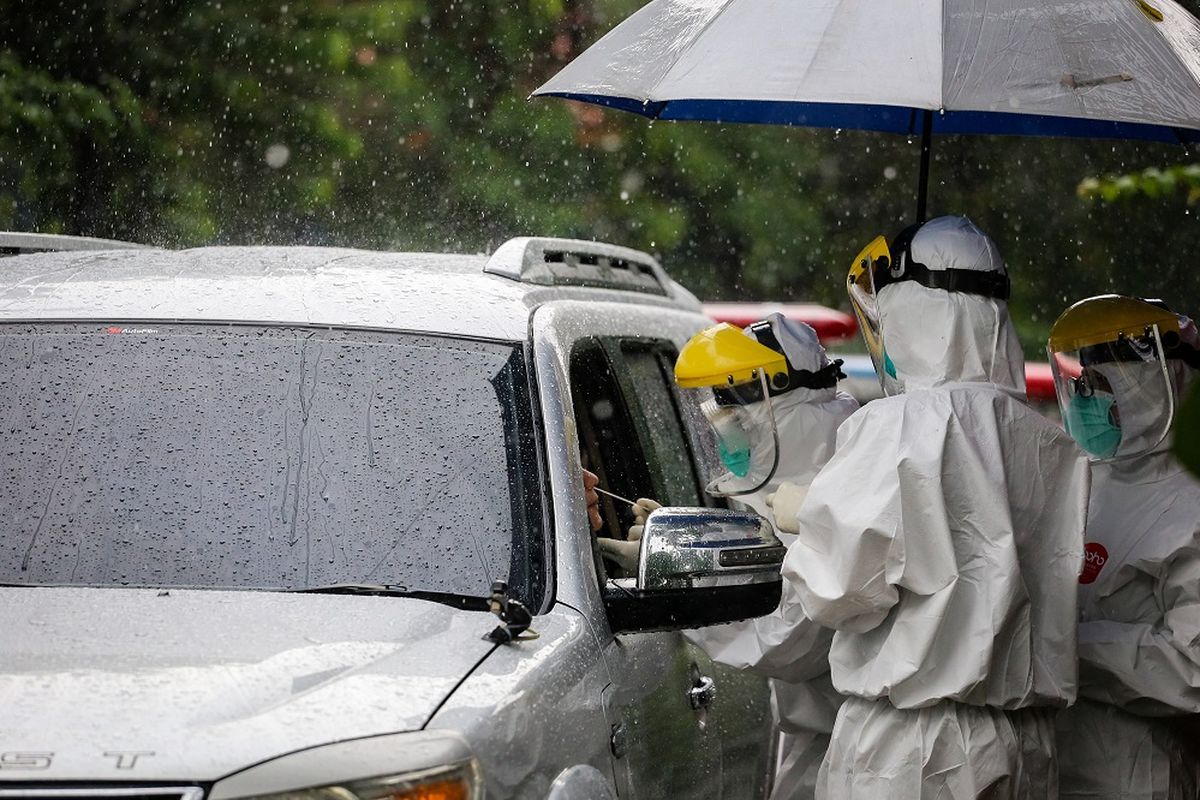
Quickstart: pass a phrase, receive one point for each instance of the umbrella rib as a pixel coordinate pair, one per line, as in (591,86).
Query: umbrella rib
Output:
(683,52)
(941,60)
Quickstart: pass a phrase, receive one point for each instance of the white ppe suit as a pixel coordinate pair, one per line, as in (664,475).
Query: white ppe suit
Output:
(786,646)
(943,543)
(1129,736)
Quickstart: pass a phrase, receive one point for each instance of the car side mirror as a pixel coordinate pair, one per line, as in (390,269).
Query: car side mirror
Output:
(698,567)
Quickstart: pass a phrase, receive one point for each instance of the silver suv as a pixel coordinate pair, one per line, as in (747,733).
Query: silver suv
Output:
(308,524)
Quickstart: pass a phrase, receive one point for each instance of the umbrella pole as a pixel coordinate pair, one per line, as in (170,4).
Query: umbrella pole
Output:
(923,181)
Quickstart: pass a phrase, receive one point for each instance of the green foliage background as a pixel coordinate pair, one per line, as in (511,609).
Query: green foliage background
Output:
(404,124)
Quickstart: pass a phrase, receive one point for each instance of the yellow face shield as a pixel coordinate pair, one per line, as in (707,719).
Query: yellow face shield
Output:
(723,356)
(861,287)
(1109,358)
(729,375)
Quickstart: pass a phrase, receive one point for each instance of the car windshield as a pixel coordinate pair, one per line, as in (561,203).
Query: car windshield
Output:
(265,457)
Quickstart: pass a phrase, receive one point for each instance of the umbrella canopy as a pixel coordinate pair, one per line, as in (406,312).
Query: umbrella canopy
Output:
(1127,69)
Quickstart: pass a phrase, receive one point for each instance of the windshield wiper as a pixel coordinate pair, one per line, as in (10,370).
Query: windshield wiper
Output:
(464,601)
(514,617)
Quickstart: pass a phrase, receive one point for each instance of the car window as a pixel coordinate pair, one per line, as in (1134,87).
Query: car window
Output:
(629,419)
(648,375)
(610,443)
(265,457)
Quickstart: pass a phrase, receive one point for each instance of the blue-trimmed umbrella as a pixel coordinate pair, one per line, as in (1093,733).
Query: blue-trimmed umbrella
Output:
(1119,69)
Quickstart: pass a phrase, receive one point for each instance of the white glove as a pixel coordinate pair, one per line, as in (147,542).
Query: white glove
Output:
(785,506)
(641,510)
(625,554)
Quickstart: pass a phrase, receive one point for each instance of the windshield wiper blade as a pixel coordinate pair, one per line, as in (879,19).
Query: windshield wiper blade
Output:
(355,588)
(464,601)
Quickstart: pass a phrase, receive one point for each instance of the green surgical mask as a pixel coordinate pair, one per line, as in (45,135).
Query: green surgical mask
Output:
(888,365)
(737,460)
(1089,421)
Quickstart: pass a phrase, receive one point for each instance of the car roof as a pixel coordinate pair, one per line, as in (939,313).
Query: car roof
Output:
(429,292)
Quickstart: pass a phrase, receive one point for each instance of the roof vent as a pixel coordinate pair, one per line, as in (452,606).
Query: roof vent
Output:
(575,262)
(13,243)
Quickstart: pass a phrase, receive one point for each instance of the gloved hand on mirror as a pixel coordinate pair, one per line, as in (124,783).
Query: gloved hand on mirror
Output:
(622,553)
(641,510)
(785,505)
(626,553)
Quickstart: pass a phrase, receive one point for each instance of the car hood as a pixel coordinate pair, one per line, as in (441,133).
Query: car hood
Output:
(144,684)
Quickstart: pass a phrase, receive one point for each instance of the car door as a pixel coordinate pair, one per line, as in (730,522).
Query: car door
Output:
(660,740)
(593,417)
(690,727)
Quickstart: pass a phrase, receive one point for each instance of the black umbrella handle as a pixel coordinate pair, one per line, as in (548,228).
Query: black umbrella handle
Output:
(923,179)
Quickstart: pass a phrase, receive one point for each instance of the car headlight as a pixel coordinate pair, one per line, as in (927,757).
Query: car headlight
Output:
(451,782)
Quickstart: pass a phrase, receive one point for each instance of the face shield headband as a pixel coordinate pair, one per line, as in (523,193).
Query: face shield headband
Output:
(899,265)
(780,382)
(1134,349)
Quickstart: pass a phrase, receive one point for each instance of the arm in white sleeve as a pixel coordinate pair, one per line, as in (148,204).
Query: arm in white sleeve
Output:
(851,557)
(1150,668)
(784,644)
(794,648)
(836,566)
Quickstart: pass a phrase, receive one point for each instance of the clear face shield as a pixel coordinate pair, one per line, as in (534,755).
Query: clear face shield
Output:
(730,375)
(742,419)
(1114,390)
(861,287)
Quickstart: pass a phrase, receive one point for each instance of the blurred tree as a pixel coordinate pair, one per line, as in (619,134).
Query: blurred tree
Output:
(404,124)
(1152,183)
(1186,444)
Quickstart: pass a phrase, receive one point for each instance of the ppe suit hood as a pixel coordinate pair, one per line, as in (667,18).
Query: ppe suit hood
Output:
(1146,400)
(933,337)
(807,419)
(804,351)
(807,434)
